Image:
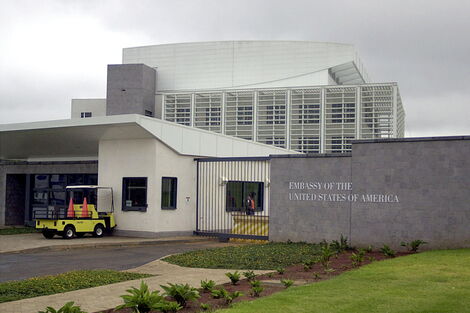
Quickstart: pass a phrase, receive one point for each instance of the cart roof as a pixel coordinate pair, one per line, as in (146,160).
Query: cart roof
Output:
(88,187)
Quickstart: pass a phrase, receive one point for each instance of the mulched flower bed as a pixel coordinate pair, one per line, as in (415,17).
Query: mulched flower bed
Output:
(271,282)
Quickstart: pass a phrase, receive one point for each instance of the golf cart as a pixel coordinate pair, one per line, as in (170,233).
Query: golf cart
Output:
(93,214)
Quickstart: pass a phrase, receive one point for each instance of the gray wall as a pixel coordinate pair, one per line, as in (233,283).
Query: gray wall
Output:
(130,89)
(430,178)
(11,167)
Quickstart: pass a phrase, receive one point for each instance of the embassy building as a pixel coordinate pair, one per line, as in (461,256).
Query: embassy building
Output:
(189,131)
(310,97)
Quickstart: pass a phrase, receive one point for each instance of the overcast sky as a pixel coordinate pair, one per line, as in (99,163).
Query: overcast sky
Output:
(53,51)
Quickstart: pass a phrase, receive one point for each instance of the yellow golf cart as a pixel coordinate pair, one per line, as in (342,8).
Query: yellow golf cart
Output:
(90,210)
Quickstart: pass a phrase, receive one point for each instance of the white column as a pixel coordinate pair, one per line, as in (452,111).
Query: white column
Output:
(395,111)
(358,113)
(255,116)
(322,120)
(288,114)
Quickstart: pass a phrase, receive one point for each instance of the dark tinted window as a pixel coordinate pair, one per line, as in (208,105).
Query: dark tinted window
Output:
(169,188)
(238,192)
(134,194)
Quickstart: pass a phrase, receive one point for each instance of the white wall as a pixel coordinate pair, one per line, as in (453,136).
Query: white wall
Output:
(239,64)
(96,106)
(152,159)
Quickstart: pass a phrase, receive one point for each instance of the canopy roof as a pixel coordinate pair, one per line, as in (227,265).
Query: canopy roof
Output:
(78,139)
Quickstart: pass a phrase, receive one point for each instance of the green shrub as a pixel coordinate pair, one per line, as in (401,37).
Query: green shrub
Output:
(325,255)
(234,277)
(414,245)
(249,275)
(232,296)
(67,308)
(181,293)
(287,282)
(207,285)
(369,249)
(341,245)
(169,307)
(141,300)
(309,264)
(256,291)
(358,257)
(224,294)
(205,307)
(255,283)
(387,251)
(316,275)
(219,293)
(280,270)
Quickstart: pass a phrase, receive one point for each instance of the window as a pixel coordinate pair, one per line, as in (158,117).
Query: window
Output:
(169,187)
(134,194)
(85,114)
(237,194)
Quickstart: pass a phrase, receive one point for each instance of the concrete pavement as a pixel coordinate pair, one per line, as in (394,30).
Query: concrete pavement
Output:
(36,242)
(106,297)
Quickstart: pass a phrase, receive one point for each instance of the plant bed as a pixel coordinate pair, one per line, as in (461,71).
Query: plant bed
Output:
(69,281)
(272,282)
(253,257)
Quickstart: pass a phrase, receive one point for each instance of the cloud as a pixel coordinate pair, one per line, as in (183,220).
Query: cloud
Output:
(52,51)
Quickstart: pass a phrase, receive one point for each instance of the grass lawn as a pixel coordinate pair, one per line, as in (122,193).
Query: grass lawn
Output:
(255,257)
(18,230)
(428,282)
(47,285)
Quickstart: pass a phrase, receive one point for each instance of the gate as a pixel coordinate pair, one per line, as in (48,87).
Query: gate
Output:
(233,198)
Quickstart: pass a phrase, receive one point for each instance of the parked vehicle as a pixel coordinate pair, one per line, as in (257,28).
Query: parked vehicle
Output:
(93,215)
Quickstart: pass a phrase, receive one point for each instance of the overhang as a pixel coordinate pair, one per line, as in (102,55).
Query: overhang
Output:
(346,74)
(78,139)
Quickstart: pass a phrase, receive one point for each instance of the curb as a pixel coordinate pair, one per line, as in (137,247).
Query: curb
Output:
(108,244)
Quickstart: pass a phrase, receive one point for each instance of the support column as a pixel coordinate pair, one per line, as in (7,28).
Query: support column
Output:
(322,121)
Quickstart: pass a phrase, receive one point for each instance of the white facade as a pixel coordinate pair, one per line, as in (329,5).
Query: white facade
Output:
(249,64)
(318,119)
(131,146)
(85,108)
(311,97)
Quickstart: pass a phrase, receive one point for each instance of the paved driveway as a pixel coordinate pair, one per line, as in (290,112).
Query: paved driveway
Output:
(15,266)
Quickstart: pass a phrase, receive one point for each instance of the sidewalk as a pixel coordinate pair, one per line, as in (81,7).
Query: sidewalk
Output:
(106,297)
(36,242)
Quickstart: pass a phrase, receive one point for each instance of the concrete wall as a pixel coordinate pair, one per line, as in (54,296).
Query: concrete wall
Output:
(152,159)
(97,107)
(130,89)
(400,190)
(10,167)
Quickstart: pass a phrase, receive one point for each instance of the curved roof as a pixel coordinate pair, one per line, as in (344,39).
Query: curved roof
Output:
(247,64)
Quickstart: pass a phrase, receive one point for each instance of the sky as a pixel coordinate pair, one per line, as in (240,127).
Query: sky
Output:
(54,50)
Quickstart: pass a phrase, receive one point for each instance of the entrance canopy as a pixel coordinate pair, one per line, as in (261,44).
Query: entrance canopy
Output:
(78,139)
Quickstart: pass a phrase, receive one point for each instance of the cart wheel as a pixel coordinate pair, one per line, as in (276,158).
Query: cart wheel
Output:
(80,235)
(69,232)
(48,234)
(99,231)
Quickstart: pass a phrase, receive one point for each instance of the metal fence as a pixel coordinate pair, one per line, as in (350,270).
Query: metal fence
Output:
(233,198)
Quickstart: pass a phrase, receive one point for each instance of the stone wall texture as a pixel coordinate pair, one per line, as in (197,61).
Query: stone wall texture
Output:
(430,178)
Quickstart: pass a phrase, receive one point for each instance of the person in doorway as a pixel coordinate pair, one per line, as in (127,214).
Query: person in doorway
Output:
(250,204)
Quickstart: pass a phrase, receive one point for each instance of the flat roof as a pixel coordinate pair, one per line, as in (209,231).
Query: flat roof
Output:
(79,138)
